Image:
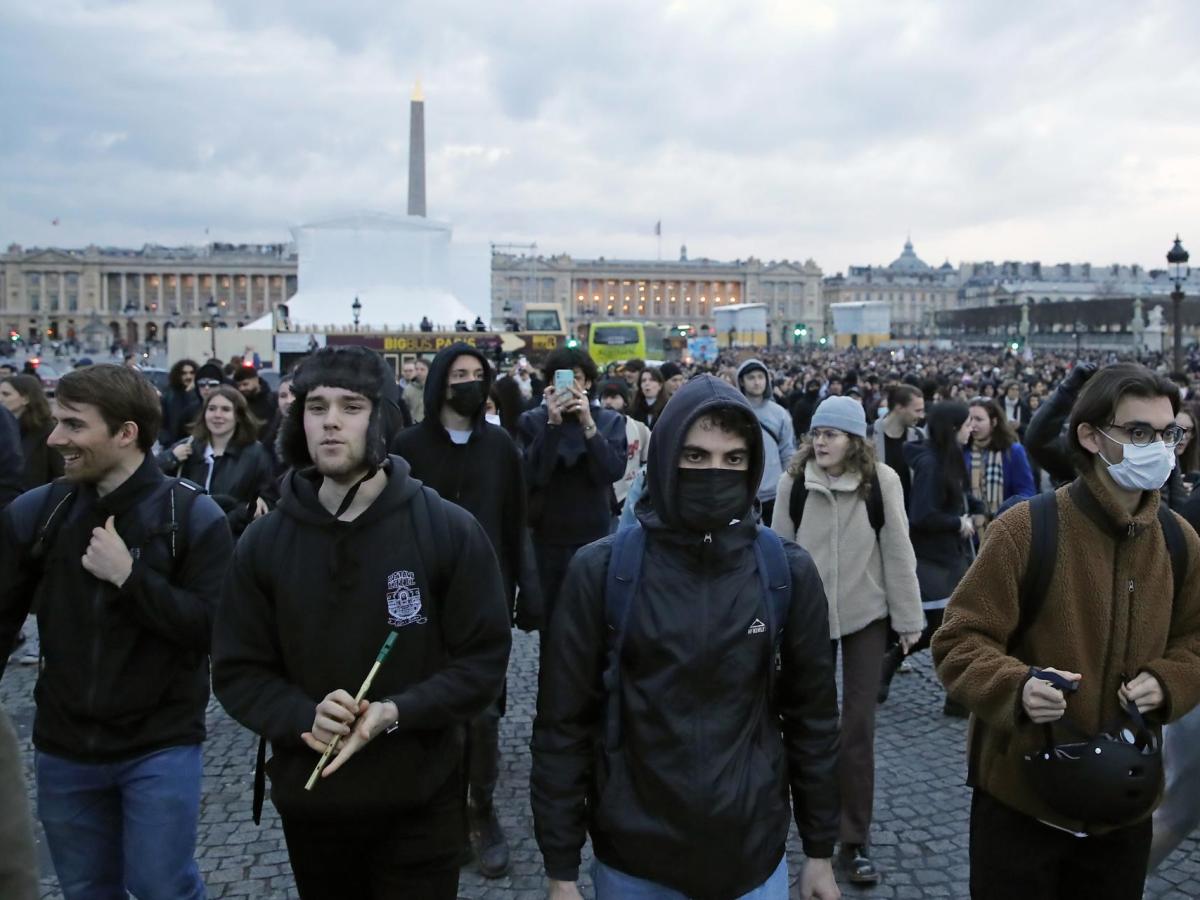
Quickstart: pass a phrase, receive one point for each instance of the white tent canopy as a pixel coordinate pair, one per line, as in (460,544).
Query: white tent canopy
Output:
(401,269)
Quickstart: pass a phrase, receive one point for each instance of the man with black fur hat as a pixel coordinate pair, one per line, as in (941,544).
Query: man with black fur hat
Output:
(355,550)
(476,465)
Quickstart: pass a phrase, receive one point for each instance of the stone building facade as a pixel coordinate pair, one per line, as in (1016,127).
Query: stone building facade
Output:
(665,292)
(136,295)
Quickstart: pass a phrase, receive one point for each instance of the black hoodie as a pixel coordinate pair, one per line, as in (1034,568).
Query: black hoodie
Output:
(696,798)
(484,475)
(308,605)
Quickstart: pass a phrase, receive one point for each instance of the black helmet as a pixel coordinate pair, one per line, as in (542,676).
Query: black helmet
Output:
(1111,779)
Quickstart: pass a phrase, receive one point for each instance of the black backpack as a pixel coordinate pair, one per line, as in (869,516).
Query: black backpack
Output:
(874,503)
(1039,570)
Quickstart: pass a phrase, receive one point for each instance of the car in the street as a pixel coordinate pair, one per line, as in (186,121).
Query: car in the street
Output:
(46,373)
(160,378)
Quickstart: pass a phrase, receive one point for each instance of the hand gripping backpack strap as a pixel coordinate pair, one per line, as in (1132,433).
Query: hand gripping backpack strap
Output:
(775,581)
(620,587)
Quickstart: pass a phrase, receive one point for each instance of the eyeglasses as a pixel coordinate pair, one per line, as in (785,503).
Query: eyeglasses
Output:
(1142,435)
(827,434)
(208,382)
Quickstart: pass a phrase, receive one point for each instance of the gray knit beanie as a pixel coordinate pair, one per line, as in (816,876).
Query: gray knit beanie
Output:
(843,413)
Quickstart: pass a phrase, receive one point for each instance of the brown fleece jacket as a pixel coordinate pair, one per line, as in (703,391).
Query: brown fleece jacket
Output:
(1107,614)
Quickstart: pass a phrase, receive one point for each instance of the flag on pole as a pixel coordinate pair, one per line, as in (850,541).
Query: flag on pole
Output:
(658,228)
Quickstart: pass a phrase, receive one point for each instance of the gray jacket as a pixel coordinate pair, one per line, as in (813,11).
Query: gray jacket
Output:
(779,439)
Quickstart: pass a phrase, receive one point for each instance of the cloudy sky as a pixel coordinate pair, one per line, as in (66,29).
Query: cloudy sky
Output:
(989,130)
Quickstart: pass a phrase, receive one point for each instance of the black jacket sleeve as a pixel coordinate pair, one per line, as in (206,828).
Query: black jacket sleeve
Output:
(475,633)
(181,610)
(569,710)
(249,676)
(1044,439)
(539,445)
(807,702)
(19,573)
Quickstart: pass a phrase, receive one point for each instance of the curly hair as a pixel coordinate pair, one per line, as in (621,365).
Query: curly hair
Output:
(860,458)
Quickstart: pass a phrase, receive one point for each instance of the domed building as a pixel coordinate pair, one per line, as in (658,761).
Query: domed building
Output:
(913,289)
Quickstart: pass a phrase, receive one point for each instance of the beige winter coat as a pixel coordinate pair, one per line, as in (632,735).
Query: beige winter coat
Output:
(865,580)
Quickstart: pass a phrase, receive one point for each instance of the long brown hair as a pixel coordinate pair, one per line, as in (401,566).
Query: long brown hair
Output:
(35,417)
(245,430)
(860,458)
(1003,434)
(1189,460)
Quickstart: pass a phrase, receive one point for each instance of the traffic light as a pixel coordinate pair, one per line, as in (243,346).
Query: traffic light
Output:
(572,343)
(822,342)
(14,336)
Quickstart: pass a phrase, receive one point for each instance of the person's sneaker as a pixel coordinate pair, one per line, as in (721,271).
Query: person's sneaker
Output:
(488,842)
(858,866)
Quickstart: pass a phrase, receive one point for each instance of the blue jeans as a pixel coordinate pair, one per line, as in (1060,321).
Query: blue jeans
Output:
(613,885)
(123,826)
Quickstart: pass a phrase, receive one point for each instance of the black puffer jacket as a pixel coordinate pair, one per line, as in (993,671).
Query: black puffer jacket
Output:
(696,797)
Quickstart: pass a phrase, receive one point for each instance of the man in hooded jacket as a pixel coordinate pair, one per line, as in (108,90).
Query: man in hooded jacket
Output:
(355,551)
(693,798)
(476,465)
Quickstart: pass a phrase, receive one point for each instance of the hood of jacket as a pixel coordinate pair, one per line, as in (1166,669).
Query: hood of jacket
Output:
(439,375)
(915,452)
(702,395)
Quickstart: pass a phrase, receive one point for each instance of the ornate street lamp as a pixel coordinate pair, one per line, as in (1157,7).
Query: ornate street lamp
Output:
(356,306)
(213,311)
(1177,258)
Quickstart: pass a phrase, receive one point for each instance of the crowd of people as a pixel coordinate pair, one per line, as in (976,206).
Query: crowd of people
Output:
(343,560)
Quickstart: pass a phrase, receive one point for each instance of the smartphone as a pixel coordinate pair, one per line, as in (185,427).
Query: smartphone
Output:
(564,380)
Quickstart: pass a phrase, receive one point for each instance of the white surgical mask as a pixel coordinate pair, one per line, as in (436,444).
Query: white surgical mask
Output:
(1143,468)
(492,419)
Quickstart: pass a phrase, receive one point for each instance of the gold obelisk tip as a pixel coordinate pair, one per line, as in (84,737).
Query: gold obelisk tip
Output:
(417,96)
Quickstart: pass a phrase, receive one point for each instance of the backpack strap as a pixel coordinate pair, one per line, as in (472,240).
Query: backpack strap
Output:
(875,505)
(181,497)
(620,587)
(1176,546)
(796,501)
(432,527)
(54,511)
(1039,568)
(775,581)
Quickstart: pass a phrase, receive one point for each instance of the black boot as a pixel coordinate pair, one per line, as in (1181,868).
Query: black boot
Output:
(488,840)
(858,866)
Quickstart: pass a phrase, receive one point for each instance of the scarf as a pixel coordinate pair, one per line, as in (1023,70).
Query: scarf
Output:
(991,486)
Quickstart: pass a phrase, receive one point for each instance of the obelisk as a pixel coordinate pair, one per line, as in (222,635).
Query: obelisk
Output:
(416,153)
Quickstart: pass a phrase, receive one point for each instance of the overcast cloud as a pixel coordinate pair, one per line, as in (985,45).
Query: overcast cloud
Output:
(1018,130)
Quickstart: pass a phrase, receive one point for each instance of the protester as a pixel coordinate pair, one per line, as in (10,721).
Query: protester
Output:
(359,551)
(1114,649)
(127,565)
(804,405)
(869,578)
(651,398)
(617,755)
(180,402)
(632,370)
(257,394)
(12,461)
(779,442)
(222,455)
(270,432)
(209,377)
(943,516)
(22,395)
(476,465)
(673,377)
(573,454)
(900,426)
(615,396)
(18,856)
(997,468)
(413,394)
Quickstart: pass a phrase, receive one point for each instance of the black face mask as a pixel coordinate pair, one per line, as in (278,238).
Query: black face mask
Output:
(466,398)
(711,498)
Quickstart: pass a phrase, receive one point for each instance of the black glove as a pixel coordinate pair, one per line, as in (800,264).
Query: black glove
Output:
(1079,375)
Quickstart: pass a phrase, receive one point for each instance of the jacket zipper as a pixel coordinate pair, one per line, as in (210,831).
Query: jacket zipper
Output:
(94,663)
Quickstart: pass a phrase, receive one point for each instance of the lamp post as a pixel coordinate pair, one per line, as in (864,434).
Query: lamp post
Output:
(1177,258)
(356,308)
(213,311)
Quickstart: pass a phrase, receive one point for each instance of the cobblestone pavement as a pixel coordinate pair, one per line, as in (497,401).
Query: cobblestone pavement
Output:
(920,833)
